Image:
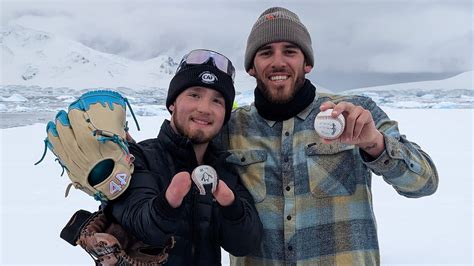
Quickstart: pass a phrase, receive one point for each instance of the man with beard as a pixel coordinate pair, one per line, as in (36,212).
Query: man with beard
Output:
(162,200)
(313,195)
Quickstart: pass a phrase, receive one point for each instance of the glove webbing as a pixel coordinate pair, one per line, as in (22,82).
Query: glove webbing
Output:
(116,139)
(107,136)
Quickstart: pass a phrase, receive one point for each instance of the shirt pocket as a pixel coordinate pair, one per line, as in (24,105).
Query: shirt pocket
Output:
(331,169)
(250,165)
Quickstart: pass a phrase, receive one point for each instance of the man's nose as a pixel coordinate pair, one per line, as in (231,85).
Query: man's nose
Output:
(278,60)
(203,105)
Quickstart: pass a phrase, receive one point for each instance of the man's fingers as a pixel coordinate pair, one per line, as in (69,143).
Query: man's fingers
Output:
(359,124)
(224,194)
(181,182)
(364,119)
(178,188)
(341,108)
(326,105)
(351,120)
(222,188)
(329,141)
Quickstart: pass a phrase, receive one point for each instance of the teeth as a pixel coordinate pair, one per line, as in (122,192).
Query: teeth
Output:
(274,78)
(201,122)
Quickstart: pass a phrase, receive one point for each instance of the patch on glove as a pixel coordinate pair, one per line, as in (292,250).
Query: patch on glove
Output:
(90,143)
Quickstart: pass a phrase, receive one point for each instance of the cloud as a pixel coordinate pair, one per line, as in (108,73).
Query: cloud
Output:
(357,36)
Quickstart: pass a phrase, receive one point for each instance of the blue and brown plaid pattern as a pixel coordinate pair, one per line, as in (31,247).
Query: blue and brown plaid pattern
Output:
(315,200)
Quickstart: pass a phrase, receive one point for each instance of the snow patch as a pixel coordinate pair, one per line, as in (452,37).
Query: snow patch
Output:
(14,98)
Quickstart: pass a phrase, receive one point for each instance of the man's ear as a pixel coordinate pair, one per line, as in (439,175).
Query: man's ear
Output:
(171,108)
(252,71)
(307,68)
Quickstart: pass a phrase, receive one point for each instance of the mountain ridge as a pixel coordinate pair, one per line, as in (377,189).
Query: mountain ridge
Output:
(43,59)
(462,81)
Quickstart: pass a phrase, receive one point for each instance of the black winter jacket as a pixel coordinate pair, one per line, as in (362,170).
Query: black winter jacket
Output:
(200,225)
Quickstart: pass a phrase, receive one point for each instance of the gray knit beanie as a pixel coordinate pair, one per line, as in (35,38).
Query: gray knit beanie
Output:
(278,24)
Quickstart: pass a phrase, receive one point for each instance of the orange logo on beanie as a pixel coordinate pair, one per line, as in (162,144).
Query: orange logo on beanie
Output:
(269,17)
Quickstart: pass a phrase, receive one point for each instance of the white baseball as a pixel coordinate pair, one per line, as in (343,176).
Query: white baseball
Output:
(329,127)
(204,175)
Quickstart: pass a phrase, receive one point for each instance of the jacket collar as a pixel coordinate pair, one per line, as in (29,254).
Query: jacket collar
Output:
(172,141)
(301,115)
(168,135)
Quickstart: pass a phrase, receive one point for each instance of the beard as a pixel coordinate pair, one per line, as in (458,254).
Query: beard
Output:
(196,137)
(278,94)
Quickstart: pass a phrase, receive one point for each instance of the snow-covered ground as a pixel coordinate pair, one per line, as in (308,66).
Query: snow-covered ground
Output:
(431,230)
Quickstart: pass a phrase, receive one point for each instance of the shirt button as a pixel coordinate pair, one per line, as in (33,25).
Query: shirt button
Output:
(242,159)
(287,133)
(288,188)
(290,248)
(288,217)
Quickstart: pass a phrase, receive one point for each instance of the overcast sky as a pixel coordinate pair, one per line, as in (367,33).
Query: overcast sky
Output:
(350,38)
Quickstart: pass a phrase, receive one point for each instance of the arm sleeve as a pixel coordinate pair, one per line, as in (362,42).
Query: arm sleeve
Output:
(143,209)
(240,229)
(403,164)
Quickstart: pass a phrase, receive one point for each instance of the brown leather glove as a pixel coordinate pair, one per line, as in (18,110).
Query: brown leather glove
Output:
(109,244)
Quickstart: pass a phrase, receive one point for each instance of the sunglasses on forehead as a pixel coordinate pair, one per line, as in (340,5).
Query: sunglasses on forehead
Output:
(203,56)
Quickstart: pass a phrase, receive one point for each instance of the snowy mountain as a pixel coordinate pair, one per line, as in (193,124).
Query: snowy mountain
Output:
(455,92)
(40,59)
(463,81)
(32,57)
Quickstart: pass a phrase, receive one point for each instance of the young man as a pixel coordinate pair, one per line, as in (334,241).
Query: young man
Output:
(162,200)
(314,195)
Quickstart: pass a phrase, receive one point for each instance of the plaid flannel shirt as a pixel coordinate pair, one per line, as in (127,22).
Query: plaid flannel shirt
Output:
(315,200)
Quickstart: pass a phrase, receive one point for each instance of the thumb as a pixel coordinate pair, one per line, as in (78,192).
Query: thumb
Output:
(223,194)
(178,188)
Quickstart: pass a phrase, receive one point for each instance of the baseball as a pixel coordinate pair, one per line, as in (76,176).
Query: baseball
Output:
(329,127)
(204,175)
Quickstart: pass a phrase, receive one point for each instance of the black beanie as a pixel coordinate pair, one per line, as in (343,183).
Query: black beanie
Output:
(207,76)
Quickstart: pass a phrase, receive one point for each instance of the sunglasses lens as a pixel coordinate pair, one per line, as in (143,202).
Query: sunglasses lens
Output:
(224,65)
(197,57)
